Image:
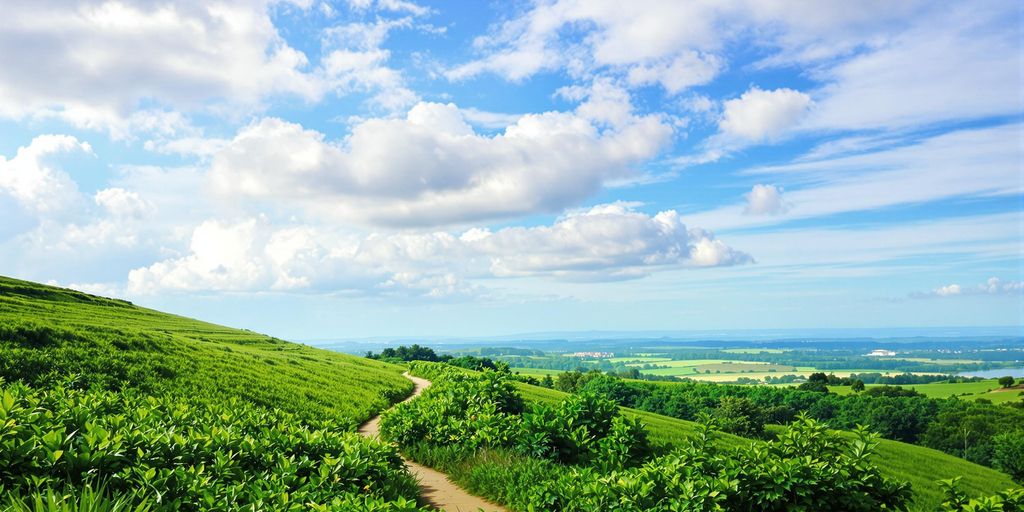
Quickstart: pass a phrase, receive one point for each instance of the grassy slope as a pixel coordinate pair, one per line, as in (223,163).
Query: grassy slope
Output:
(48,334)
(918,465)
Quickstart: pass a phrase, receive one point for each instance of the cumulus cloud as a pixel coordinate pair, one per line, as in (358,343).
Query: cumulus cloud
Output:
(432,168)
(760,115)
(112,57)
(30,178)
(122,203)
(606,242)
(355,61)
(765,200)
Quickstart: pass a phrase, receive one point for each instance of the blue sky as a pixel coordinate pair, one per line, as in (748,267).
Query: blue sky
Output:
(337,169)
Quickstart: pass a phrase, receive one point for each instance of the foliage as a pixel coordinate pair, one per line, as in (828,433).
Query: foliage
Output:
(809,468)
(1008,454)
(891,391)
(957,501)
(1006,381)
(415,352)
(740,416)
(182,456)
(582,453)
(895,413)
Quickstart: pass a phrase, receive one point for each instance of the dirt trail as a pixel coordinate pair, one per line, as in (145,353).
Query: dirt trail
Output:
(437,490)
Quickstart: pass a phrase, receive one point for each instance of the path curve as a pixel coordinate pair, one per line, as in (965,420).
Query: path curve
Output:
(436,489)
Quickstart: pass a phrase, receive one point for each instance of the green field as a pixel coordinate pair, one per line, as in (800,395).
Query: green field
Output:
(987,389)
(920,466)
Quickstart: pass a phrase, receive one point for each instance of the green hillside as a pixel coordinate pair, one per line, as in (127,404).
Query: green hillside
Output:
(49,335)
(920,466)
(107,406)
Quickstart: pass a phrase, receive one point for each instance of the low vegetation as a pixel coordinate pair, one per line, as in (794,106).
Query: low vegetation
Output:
(108,406)
(583,454)
(166,453)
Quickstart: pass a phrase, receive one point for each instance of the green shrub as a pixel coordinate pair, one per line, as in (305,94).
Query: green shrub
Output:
(808,468)
(957,501)
(1008,454)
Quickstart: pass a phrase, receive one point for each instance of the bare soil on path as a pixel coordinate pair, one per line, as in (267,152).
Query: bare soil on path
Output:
(437,490)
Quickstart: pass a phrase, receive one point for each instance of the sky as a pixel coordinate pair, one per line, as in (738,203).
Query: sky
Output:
(330,169)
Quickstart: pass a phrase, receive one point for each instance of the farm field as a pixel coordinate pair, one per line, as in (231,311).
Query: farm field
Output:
(987,389)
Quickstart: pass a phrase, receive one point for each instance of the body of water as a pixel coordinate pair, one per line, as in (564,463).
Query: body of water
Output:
(995,374)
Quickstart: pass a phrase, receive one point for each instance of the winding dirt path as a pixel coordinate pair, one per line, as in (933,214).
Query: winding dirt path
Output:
(437,490)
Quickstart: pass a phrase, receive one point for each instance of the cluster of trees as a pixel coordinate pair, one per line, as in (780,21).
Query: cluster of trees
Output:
(976,431)
(415,352)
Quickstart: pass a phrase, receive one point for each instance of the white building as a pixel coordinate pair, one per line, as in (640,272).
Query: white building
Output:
(881,353)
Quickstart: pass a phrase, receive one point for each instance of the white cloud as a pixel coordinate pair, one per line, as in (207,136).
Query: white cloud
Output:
(960,62)
(676,44)
(760,115)
(686,70)
(355,61)
(607,242)
(765,200)
(992,286)
(31,180)
(112,57)
(431,168)
(122,203)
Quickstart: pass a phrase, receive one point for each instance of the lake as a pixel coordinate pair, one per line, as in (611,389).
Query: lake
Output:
(995,374)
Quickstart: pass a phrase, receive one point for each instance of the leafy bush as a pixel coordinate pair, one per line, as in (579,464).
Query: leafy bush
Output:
(177,455)
(583,429)
(808,468)
(1008,454)
(957,501)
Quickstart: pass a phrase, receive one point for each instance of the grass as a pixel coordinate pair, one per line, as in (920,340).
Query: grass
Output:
(920,466)
(49,335)
(987,389)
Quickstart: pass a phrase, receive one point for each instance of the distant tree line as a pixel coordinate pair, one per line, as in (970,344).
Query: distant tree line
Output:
(415,352)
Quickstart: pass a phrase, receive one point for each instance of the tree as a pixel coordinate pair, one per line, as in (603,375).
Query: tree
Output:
(1008,454)
(857,386)
(740,416)
(814,385)
(818,377)
(1006,382)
